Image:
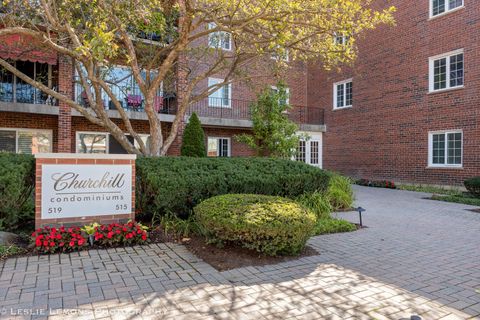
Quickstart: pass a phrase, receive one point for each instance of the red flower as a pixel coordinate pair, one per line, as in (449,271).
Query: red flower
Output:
(72,243)
(45,243)
(110,235)
(59,236)
(144,237)
(61,244)
(38,242)
(52,244)
(139,231)
(81,242)
(118,231)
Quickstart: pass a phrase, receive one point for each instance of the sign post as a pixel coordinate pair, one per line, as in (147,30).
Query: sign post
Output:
(77,189)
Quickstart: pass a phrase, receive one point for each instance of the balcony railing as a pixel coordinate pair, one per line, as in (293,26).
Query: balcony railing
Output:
(223,108)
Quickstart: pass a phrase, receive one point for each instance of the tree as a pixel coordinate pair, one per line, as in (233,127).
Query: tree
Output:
(193,144)
(274,134)
(98,35)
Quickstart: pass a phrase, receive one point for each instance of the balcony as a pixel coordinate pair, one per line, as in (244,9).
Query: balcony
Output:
(236,112)
(215,112)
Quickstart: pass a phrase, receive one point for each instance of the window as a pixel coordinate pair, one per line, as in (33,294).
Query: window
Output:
(27,141)
(218,147)
(314,152)
(14,89)
(343,94)
(219,39)
(302,151)
(439,7)
(341,39)
(446,71)
(445,149)
(286,100)
(101,142)
(222,97)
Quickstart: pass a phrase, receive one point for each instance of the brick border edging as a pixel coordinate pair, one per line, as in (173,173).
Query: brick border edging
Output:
(75,159)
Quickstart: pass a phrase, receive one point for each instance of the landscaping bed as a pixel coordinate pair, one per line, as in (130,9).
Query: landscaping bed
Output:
(231,257)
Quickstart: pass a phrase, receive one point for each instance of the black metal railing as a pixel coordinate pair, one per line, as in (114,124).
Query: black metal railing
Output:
(24,93)
(223,108)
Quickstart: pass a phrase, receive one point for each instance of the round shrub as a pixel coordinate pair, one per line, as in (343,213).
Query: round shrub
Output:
(267,224)
(473,186)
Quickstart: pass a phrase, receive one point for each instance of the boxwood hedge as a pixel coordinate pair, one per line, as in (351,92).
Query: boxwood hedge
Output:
(17,180)
(267,224)
(177,184)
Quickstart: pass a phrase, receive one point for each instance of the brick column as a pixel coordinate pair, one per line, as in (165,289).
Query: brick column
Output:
(65,86)
(181,74)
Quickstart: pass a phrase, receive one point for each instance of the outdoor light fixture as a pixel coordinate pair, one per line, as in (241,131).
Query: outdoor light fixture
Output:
(360,210)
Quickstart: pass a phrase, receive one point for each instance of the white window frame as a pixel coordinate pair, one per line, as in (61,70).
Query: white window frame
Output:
(431,70)
(225,138)
(335,97)
(107,140)
(287,91)
(219,34)
(311,137)
(212,82)
(430,149)
(77,139)
(447,9)
(17,130)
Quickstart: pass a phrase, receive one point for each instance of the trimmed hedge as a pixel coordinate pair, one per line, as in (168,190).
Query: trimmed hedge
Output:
(17,180)
(473,186)
(267,224)
(177,184)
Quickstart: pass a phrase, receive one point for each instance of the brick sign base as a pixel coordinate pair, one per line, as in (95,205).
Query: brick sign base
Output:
(75,161)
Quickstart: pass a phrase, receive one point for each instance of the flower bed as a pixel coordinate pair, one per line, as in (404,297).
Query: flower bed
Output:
(377,183)
(68,239)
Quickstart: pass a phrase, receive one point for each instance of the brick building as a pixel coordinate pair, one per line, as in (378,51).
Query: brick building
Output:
(408,109)
(32,122)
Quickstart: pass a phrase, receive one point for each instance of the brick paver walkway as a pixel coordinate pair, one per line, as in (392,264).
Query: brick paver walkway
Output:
(417,257)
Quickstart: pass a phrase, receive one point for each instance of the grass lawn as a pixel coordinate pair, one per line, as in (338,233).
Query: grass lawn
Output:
(458,198)
(430,189)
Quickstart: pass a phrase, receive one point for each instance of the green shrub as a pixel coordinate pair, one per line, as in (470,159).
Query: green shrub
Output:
(318,203)
(340,193)
(473,186)
(326,226)
(177,184)
(267,224)
(17,180)
(193,144)
(178,227)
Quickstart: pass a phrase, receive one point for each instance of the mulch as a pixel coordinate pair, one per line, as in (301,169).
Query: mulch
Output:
(228,257)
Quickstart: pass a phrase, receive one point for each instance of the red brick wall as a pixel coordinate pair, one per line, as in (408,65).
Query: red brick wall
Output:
(31,121)
(238,149)
(385,134)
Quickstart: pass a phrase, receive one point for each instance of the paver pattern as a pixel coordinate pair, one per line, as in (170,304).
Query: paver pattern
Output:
(418,257)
